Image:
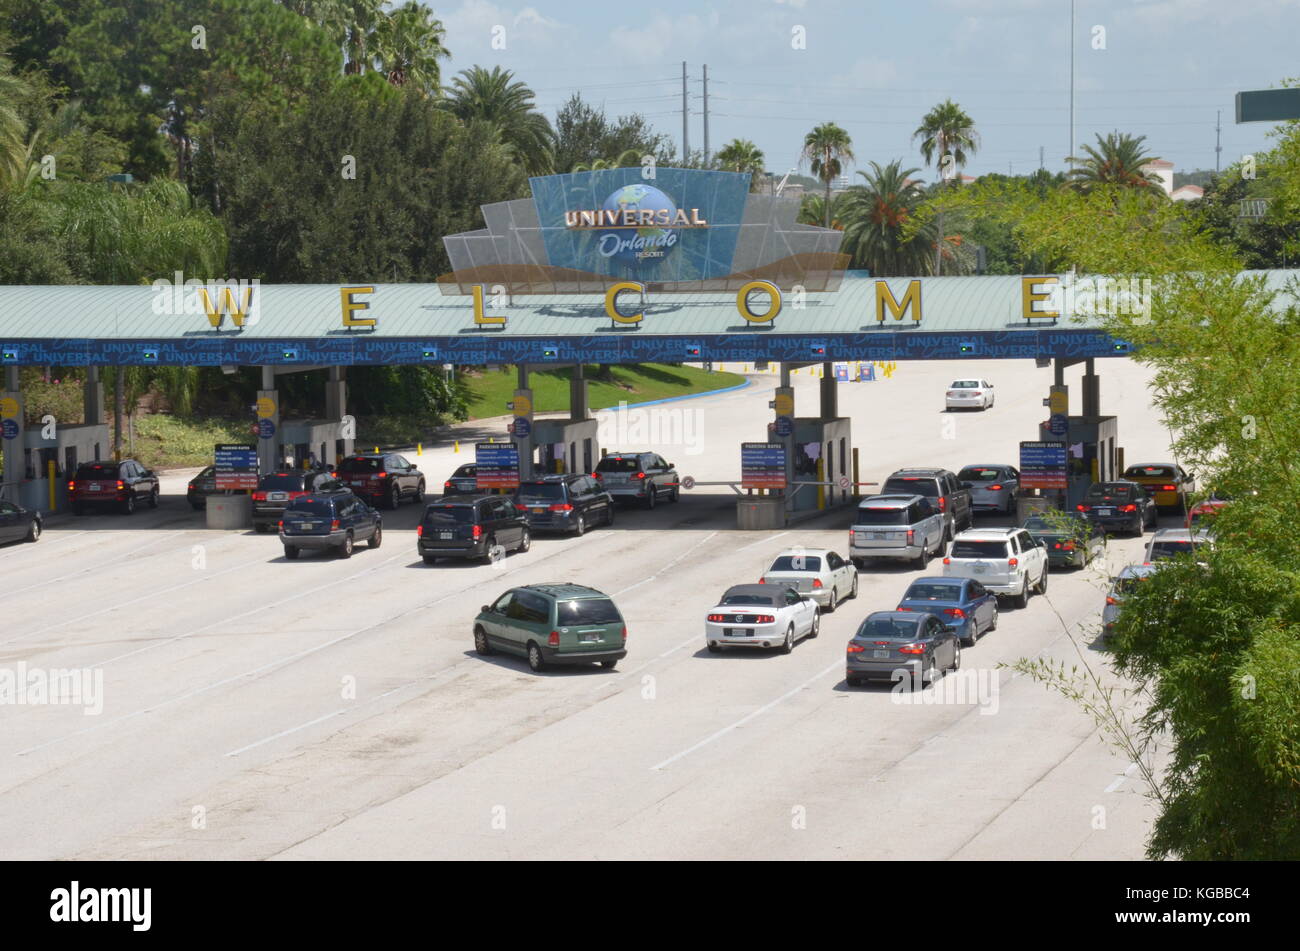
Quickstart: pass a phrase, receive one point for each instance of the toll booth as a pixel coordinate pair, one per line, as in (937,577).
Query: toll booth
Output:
(823,452)
(565,445)
(1091,453)
(301,439)
(70,446)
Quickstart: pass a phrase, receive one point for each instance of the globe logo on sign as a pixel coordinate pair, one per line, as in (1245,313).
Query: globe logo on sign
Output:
(649,240)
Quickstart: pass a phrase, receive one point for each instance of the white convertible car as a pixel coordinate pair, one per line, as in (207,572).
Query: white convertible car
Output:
(761,615)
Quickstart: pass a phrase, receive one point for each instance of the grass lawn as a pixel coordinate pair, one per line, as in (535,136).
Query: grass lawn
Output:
(636,383)
(165,441)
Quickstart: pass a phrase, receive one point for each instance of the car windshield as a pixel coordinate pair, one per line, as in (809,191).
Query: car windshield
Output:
(978,549)
(541,492)
(965,385)
(106,470)
(977,474)
(464,472)
(874,516)
(449,515)
(888,627)
(933,591)
(310,506)
(751,600)
(588,611)
(361,464)
(618,464)
(1149,472)
(796,563)
(1161,550)
(282,482)
(913,485)
(1110,490)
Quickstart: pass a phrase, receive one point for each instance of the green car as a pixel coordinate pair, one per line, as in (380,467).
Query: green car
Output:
(553,624)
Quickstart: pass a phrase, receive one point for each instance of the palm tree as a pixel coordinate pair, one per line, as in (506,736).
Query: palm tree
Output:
(948,131)
(826,147)
(812,211)
(742,155)
(874,215)
(479,95)
(1119,159)
(408,44)
(15,149)
(629,159)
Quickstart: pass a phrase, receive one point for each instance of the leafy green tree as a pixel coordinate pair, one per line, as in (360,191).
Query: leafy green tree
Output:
(585,135)
(742,155)
(494,96)
(826,148)
(408,45)
(875,217)
(1118,159)
(946,131)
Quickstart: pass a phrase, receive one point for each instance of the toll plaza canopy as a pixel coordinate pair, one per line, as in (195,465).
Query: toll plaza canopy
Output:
(622,265)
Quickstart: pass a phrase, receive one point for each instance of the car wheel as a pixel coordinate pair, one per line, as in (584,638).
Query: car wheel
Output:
(481,645)
(853,592)
(525,542)
(153,498)
(580,526)
(1042,582)
(394,497)
(834,601)
(851,680)
(609,664)
(919,678)
(650,499)
(923,558)
(947,532)
(377,538)
(787,645)
(536,662)
(956,656)
(816,625)
(419,491)
(676,494)
(129,505)
(34,532)
(993,623)
(974,630)
(609,515)
(291,552)
(197,506)
(345,550)
(714,648)
(430,559)
(860,563)
(1022,599)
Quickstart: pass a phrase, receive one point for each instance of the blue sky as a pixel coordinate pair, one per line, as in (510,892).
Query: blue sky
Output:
(876,67)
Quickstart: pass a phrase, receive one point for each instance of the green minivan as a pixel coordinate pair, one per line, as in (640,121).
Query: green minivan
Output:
(553,624)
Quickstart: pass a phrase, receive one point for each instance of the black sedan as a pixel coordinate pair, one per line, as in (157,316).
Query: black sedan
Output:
(1119,506)
(18,524)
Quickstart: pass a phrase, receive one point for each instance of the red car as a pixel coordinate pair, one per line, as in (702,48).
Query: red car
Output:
(121,484)
(1201,515)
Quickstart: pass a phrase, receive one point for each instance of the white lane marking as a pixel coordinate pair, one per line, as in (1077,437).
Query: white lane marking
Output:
(666,567)
(614,682)
(763,541)
(745,719)
(1119,780)
(73,574)
(312,723)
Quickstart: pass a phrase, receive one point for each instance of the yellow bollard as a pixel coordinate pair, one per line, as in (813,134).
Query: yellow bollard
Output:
(419,449)
(821,489)
(376,450)
(457,449)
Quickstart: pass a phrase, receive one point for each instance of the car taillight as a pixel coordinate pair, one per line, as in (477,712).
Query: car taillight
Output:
(259,496)
(817,582)
(1169,488)
(901,608)
(1110,600)
(856,649)
(947,561)
(911,535)
(952,392)
(1066,546)
(624,633)
(995,488)
(296,495)
(190,487)
(280,525)
(334,525)
(562,507)
(954,612)
(419,531)
(1129,508)
(72,486)
(597,475)
(763,619)
(381,475)
(943,504)
(640,475)
(554,639)
(520,508)
(1081,507)
(121,484)
(912,649)
(762,581)
(717,617)
(447,484)
(477,532)
(1012,562)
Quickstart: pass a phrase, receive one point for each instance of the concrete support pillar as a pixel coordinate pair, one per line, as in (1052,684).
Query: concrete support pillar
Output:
(523,403)
(93,398)
(523,376)
(268,411)
(11,378)
(829,392)
(1058,372)
(336,407)
(1091,390)
(578,393)
(13,440)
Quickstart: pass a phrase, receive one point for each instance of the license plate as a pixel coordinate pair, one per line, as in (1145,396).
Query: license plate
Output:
(880,654)
(538,511)
(305,526)
(592,638)
(358,482)
(979,569)
(737,631)
(1105,511)
(446,535)
(879,536)
(277,496)
(94,487)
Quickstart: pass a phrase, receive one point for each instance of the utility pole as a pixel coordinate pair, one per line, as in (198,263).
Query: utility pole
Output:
(1072,143)
(706,114)
(1040,158)
(686,109)
(1218,115)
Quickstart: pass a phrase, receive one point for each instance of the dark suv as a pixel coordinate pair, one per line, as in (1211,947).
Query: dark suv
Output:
(276,490)
(464,481)
(122,484)
(943,490)
(337,520)
(384,477)
(471,528)
(640,476)
(564,503)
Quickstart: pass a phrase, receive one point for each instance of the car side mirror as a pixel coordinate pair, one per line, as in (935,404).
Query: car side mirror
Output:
(485,610)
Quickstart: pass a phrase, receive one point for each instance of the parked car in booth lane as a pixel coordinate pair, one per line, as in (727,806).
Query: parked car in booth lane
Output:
(969,394)
(638,476)
(966,607)
(896,526)
(942,489)
(336,520)
(464,481)
(1119,505)
(122,484)
(1171,542)
(992,488)
(912,643)
(200,487)
(818,573)
(276,490)
(1069,538)
(1121,586)
(1004,560)
(18,524)
(471,527)
(384,478)
(564,503)
(761,615)
(553,624)
(1165,482)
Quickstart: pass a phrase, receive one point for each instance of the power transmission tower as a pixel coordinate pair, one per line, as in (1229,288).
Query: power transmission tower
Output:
(706,114)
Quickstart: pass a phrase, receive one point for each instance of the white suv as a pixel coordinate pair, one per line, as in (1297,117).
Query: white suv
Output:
(1007,561)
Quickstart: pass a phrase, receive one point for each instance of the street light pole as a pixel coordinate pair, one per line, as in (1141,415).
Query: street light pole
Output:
(1072,143)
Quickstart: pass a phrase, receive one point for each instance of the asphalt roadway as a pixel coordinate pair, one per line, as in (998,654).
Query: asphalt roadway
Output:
(258,708)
